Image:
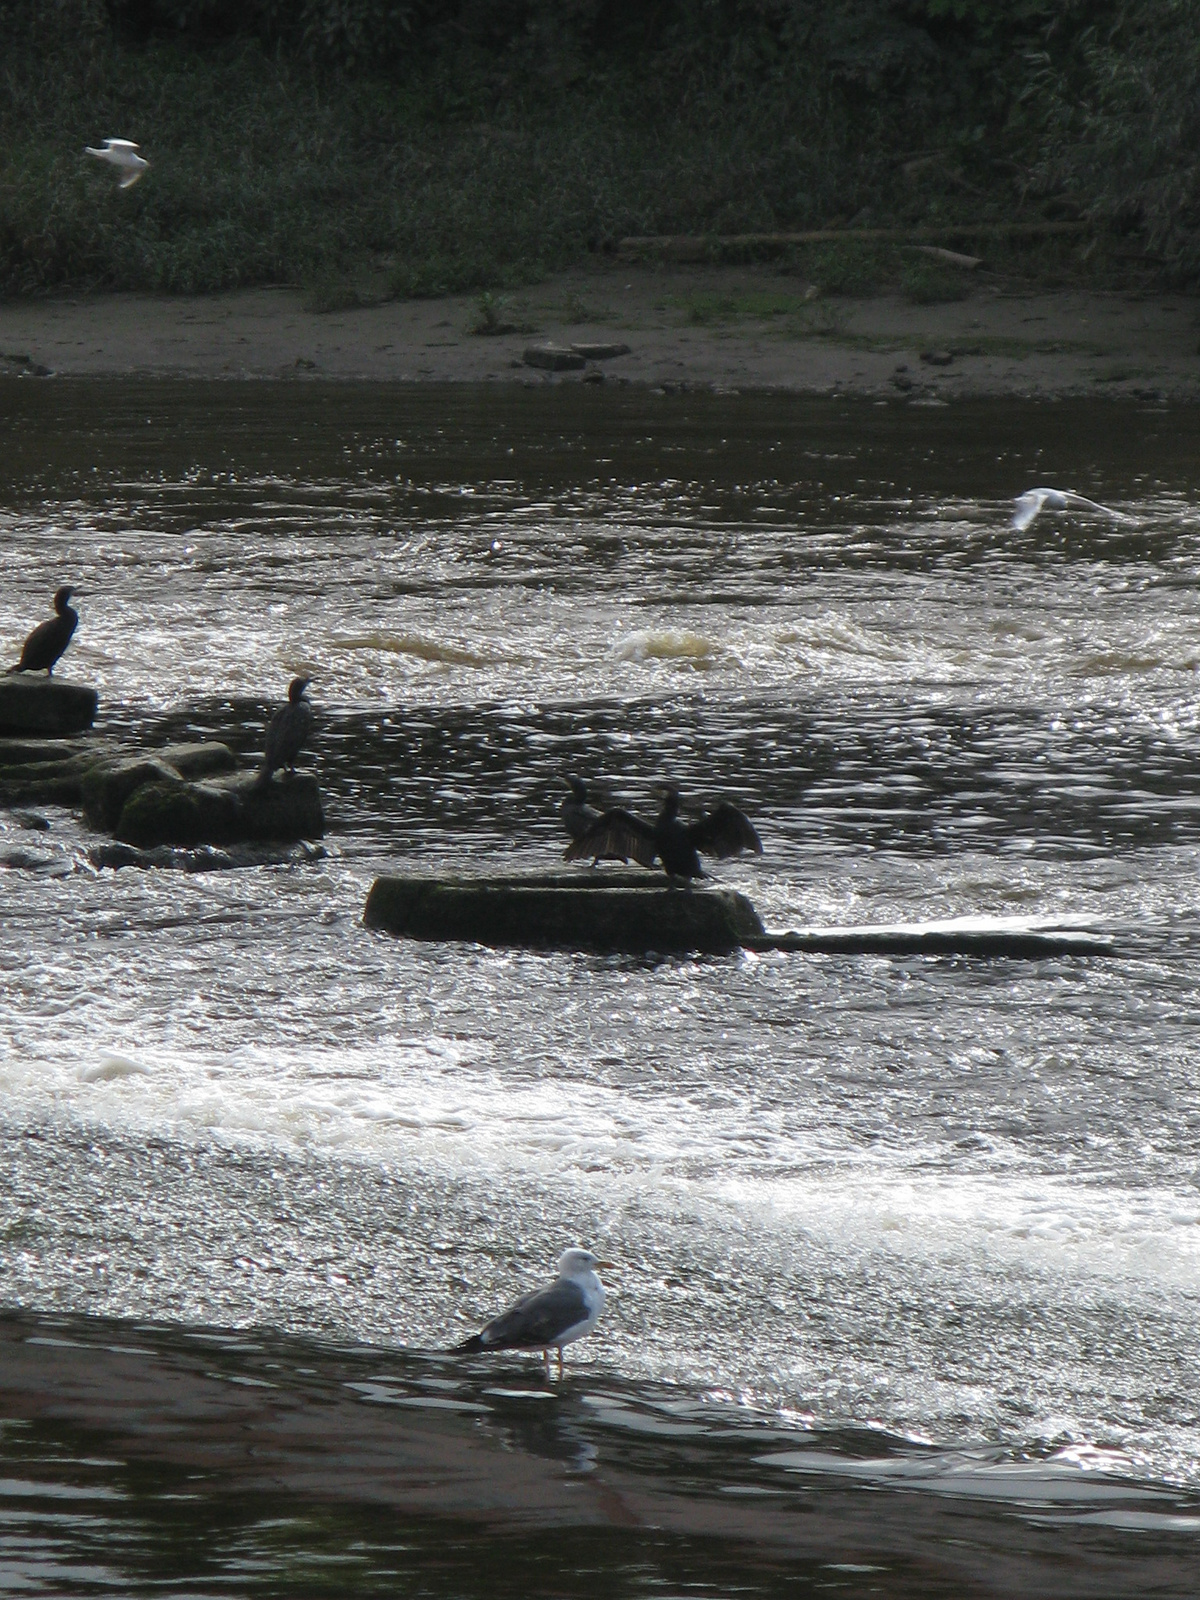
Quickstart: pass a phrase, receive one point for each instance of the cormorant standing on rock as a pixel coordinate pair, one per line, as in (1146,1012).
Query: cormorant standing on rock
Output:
(723,831)
(49,639)
(287,732)
(579,815)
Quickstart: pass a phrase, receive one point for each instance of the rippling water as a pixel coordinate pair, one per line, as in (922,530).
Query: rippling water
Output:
(945,1200)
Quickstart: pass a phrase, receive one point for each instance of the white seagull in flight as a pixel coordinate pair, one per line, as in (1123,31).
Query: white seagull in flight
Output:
(1034,501)
(122,154)
(549,1318)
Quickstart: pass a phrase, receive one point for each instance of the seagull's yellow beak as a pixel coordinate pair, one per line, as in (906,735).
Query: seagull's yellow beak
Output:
(611,1265)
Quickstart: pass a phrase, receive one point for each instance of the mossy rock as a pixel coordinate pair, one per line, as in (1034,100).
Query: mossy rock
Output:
(170,811)
(575,916)
(105,787)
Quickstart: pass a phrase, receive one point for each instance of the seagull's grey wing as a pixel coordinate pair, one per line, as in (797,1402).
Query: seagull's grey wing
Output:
(724,831)
(120,144)
(618,833)
(1069,498)
(1026,507)
(537,1320)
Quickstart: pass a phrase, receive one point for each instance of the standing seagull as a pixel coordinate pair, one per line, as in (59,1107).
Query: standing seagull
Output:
(723,831)
(287,733)
(122,154)
(50,638)
(549,1318)
(1034,501)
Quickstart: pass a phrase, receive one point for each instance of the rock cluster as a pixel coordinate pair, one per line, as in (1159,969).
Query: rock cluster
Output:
(184,794)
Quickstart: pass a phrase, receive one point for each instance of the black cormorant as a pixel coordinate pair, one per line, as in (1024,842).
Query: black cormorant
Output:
(579,815)
(50,638)
(287,732)
(723,831)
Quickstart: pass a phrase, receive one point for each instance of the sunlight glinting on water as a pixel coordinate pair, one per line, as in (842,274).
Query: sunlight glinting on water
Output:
(947,1196)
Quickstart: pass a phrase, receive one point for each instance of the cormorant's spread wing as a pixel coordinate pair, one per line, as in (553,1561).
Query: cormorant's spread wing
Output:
(577,816)
(537,1320)
(618,833)
(724,831)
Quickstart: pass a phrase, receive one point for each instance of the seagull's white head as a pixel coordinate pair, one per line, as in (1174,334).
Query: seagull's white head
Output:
(576,1263)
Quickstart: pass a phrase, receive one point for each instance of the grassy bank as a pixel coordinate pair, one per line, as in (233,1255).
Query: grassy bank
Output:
(269,166)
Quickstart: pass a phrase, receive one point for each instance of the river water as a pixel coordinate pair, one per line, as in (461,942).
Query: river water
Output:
(891,1237)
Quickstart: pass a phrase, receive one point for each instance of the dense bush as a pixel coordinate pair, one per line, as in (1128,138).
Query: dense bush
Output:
(427,144)
(1122,130)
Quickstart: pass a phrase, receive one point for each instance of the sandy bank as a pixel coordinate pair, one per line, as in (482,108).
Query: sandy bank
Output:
(723,328)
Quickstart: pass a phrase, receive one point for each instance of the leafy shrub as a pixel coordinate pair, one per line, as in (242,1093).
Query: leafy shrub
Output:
(1122,125)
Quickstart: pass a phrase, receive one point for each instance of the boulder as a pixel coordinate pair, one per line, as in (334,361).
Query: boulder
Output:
(571,912)
(198,760)
(286,808)
(46,706)
(105,787)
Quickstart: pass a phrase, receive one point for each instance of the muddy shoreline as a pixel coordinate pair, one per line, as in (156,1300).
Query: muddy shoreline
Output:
(717,328)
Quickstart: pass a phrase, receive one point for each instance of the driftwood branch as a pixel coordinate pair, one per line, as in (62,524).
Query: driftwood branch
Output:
(697,247)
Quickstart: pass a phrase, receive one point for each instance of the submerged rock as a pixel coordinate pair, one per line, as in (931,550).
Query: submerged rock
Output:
(200,858)
(46,706)
(584,911)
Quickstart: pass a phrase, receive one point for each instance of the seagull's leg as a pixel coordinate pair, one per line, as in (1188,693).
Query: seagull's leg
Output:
(560,1364)
(546,1363)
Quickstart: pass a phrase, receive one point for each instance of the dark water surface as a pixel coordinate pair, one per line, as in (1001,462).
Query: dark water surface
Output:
(908,1249)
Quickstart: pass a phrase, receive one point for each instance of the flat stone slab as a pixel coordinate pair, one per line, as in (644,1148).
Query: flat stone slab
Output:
(564,912)
(51,707)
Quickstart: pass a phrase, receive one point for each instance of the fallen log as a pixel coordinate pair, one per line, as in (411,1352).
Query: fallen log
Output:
(698,247)
(644,913)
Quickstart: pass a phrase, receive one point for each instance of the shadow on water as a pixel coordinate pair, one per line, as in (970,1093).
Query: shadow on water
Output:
(857,774)
(141,1459)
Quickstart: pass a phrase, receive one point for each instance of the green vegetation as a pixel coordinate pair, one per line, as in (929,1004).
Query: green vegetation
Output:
(369,148)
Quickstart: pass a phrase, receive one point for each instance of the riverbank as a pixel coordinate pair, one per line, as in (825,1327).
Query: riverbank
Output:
(747,327)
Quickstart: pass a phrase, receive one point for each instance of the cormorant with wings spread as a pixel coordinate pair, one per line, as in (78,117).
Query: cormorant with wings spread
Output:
(723,831)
